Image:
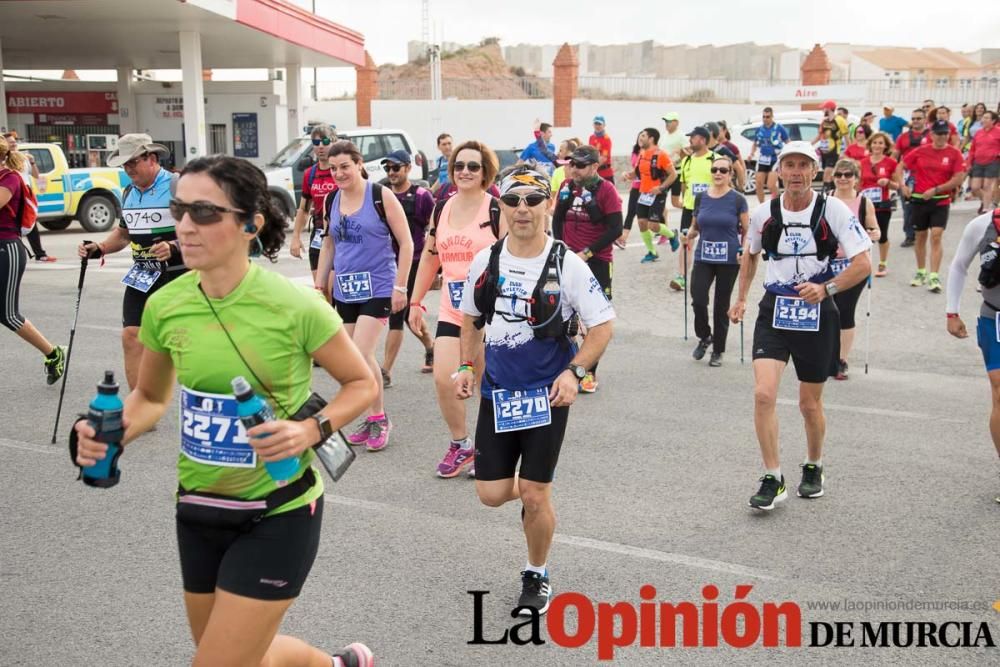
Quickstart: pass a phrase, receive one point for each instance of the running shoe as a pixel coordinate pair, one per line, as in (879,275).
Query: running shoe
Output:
(677,284)
(356,655)
(701,349)
(715,360)
(907,243)
(883,270)
(812,481)
(386,378)
(535,593)
(428,366)
(472,468)
(456,459)
(44,258)
(919,278)
(675,244)
(649,257)
(588,384)
(55,364)
(378,434)
(771,492)
(934,284)
(841,370)
(360,435)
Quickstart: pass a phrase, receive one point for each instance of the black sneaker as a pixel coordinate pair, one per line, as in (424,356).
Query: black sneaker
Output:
(386,379)
(535,593)
(55,365)
(771,491)
(841,370)
(907,243)
(699,352)
(812,481)
(715,360)
(356,655)
(428,366)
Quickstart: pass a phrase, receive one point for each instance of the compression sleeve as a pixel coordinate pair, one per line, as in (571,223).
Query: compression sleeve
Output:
(612,230)
(964,254)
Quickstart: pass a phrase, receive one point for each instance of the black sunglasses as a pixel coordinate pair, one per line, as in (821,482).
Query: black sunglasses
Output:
(392,167)
(326,141)
(579,165)
(200,212)
(514,200)
(843,174)
(719,170)
(473,167)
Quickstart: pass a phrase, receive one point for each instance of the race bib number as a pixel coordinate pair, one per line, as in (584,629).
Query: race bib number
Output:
(455,290)
(147,219)
(520,410)
(355,286)
(647,199)
(141,277)
(211,431)
(764,160)
(838,265)
(824,145)
(317,239)
(714,251)
(794,314)
(699,188)
(873,194)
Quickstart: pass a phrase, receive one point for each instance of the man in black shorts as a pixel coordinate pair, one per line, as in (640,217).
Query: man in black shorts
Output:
(800,232)
(532,370)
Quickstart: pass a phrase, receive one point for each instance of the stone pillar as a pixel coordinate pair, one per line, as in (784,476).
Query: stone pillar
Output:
(293,100)
(127,112)
(565,69)
(3,98)
(193,90)
(815,72)
(367,90)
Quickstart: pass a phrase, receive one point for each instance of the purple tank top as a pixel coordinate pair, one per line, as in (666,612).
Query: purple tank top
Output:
(364,264)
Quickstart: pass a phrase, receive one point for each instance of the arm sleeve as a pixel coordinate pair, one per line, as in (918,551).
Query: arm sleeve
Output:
(964,254)
(546,151)
(612,230)
(558,220)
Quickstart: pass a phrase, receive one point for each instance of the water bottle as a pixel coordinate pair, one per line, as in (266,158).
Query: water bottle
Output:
(253,411)
(105,417)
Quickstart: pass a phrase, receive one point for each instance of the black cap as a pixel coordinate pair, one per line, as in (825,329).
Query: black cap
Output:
(586,155)
(700,132)
(941,127)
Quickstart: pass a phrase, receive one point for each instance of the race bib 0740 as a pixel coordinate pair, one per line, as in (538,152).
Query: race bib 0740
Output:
(794,314)
(355,286)
(211,431)
(520,409)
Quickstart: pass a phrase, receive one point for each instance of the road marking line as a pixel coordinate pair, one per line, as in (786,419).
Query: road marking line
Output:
(902,414)
(100,327)
(27,446)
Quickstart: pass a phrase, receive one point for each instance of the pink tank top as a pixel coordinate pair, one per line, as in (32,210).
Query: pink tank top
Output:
(456,248)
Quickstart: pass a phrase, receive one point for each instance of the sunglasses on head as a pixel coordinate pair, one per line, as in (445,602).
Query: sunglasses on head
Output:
(200,212)
(843,174)
(326,141)
(473,167)
(393,168)
(719,170)
(514,200)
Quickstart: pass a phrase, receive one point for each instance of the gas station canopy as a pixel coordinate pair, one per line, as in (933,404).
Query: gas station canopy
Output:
(142,34)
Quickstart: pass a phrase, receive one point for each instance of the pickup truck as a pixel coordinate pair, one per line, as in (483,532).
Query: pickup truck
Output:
(92,196)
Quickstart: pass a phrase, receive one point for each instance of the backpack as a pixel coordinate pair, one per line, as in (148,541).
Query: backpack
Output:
(655,172)
(565,201)
(916,140)
(774,227)
(989,256)
(330,198)
(493,222)
(27,209)
(546,319)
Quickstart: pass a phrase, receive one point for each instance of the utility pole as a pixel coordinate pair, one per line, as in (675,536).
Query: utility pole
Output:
(315,94)
(433,50)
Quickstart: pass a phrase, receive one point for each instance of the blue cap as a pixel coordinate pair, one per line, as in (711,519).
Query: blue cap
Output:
(599,119)
(398,157)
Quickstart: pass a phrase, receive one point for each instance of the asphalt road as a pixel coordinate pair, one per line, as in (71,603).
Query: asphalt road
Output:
(651,489)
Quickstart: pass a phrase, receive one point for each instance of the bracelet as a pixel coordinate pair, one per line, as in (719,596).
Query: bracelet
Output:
(951,316)
(466,367)
(397,288)
(418,305)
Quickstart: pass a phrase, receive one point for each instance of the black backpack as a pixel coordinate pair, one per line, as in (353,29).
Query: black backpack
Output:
(493,223)
(655,172)
(989,255)
(564,203)
(774,227)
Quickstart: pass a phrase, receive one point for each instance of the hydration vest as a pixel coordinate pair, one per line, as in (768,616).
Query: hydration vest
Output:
(588,195)
(989,254)
(774,227)
(655,172)
(545,303)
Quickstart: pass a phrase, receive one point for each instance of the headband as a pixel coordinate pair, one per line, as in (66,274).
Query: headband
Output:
(525,177)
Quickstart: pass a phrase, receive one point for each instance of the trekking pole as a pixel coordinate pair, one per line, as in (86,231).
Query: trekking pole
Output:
(868,323)
(685,289)
(72,335)
(741,340)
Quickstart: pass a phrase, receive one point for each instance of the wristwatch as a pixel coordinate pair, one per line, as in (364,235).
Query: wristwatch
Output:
(831,288)
(325,428)
(579,371)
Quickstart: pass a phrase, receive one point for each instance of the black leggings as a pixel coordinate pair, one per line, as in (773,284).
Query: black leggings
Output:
(702,275)
(847,302)
(13,257)
(35,241)
(633,202)
(883,215)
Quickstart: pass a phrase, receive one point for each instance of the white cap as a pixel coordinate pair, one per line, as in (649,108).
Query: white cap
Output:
(799,148)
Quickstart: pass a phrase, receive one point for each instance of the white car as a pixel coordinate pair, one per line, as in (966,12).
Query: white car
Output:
(284,173)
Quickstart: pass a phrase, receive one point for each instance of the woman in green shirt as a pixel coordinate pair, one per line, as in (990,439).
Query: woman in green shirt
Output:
(225,318)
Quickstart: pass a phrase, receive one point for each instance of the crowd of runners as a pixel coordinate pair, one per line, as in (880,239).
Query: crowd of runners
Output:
(521,261)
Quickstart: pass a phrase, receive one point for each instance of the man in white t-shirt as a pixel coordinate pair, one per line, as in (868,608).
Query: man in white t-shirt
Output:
(800,231)
(525,290)
(675,143)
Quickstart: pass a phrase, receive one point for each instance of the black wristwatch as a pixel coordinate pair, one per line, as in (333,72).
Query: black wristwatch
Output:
(325,427)
(579,371)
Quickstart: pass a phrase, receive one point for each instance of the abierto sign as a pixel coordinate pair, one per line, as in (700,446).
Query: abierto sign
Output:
(62,102)
(808,94)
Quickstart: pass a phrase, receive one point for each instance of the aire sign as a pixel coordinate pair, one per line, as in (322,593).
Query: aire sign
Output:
(808,94)
(62,102)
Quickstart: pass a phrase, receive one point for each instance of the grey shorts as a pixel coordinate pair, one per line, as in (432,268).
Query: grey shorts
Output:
(991,170)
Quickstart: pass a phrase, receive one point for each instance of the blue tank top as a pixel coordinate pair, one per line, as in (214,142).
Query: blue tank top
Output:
(364,264)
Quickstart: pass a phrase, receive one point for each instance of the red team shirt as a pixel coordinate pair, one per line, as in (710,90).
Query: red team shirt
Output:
(933,167)
(322,184)
(603,146)
(872,173)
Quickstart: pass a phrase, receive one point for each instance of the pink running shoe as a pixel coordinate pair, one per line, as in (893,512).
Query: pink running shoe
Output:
(456,459)
(355,655)
(360,436)
(378,434)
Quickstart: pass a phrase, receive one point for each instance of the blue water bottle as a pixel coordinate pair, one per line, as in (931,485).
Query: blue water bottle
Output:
(253,411)
(105,417)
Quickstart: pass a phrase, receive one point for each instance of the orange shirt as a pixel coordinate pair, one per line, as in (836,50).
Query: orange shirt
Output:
(646,179)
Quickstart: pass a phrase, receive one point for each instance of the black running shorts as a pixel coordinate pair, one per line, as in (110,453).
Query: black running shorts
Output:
(269,562)
(537,448)
(815,353)
(652,212)
(134,301)
(924,216)
(380,308)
